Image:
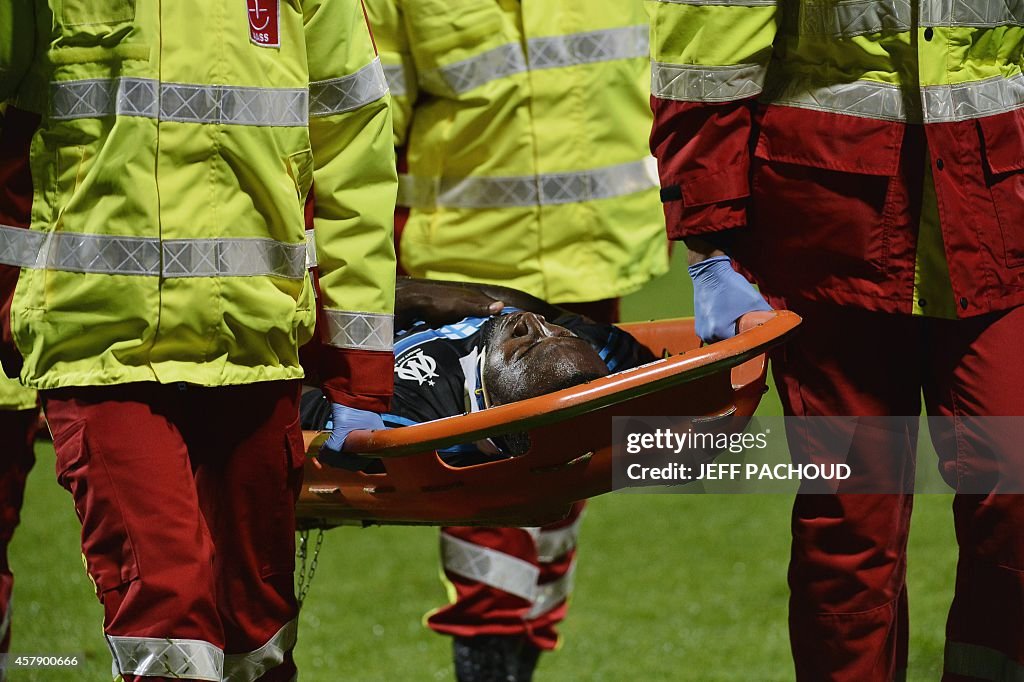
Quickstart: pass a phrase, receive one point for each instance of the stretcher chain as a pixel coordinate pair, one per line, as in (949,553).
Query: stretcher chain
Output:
(304,579)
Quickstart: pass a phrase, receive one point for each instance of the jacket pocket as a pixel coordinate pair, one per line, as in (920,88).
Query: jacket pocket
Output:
(106,544)
(88,12)
(823,192)
(1002,139)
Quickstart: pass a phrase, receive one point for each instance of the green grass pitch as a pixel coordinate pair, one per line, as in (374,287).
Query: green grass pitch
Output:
(669,587)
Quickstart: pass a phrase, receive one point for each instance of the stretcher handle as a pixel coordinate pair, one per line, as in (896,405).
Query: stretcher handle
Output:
(754,319)
(759,332)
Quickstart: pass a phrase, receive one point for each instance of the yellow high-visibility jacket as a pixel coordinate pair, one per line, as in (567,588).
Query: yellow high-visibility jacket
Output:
(178,144)
(814,123)
(526,128)
(14,396)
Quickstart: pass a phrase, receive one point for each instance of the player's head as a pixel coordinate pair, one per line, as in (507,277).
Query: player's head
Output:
(526,356)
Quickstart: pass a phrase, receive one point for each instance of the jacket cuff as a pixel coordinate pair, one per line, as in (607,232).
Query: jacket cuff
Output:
(683,221)
(362,379)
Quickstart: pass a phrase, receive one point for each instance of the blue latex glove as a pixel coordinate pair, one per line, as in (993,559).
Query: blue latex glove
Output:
(721,296)
(345,420)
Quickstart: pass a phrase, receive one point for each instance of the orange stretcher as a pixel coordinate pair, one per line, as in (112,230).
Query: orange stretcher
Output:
(570,433)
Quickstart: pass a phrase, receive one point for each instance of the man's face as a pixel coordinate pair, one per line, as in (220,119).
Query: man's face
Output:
(528,356)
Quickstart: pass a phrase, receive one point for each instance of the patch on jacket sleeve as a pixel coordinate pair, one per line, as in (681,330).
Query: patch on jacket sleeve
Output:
(264,22)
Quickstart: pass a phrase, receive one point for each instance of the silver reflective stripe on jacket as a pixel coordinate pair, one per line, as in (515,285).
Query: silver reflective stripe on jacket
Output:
(467,74)
(311,249)
(586,48)
(490,567)
(189,659)
(695,83)
(531,190)
(394,74)
(233,258)
(726,3)
(859,98)
(975,13)
(982,663)
(222,104)
(961,102)
(20,246)
(251,666)
(849,18)
(338,95)
(549,595)
(359,331)
(170,258)
(544,53)
(937,104)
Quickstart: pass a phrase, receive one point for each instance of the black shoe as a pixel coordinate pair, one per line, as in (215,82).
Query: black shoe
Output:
(494,658)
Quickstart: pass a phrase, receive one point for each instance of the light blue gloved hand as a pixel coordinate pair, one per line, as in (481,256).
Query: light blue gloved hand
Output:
(721,296)
(345,420)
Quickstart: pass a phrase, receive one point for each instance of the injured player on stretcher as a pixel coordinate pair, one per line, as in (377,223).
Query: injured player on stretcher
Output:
(447,364)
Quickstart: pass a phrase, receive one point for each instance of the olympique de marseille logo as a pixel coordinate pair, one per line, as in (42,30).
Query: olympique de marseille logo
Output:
(265,22)
(417,367)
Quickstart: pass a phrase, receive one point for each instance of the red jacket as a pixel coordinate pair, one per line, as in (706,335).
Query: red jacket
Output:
(828,205)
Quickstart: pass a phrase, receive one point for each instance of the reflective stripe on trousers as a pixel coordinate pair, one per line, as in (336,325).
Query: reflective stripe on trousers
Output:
(251,666)
(549,595)
(556,542)
(511,574)
(196,659)
(191,659)
(489,566)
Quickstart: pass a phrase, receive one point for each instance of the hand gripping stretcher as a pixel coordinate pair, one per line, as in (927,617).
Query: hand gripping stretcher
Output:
(570,433)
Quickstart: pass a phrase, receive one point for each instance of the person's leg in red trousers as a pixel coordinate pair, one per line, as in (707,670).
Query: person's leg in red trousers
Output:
(173,487)
(16,459)
(976,370)
(848,615)
(848,605)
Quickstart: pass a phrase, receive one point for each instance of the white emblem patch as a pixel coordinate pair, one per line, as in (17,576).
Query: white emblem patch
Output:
(264,22)
(417,367)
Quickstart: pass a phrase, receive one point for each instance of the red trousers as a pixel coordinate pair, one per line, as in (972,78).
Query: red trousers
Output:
(514,581)
(508,581)
(18,429)
(848,606)
(187,501)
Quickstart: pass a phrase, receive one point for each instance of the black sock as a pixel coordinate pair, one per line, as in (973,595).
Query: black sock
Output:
(494,658)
